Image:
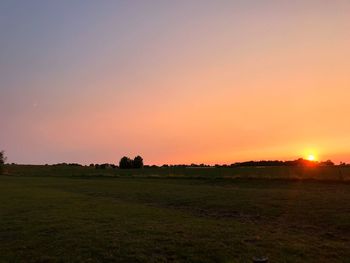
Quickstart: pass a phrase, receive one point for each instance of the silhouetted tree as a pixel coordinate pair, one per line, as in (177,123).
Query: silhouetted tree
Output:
(125,163)
(138,162)
(327,163)
(2,160)
(104,166)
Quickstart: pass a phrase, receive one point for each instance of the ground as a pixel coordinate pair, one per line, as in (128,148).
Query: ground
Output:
(122,219)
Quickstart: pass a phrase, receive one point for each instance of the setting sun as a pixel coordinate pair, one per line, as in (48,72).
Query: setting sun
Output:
(311,157)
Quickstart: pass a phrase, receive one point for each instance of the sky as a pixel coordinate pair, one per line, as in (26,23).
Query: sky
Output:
(185,81)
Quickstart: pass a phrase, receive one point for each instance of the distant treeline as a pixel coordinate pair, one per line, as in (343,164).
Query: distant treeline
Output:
(124,163)
(137,162)
(298,162)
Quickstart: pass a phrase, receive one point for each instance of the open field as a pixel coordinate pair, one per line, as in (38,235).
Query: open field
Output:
(332,173)
(121,219)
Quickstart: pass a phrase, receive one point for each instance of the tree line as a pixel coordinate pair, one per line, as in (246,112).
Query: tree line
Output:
(124,163)
(262,163)
(137,163)
(298,162)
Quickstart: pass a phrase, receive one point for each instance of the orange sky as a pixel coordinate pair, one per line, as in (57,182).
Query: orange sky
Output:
(181,82)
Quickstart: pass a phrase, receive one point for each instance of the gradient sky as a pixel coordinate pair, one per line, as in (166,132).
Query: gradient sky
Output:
(174,81)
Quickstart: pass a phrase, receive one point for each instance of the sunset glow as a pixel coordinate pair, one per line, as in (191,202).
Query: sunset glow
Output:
(311,157)
(174,81)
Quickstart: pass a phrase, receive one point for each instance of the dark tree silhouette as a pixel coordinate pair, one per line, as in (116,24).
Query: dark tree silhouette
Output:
(125,163)
(138,162)
(2,160)
(327,163)
(2,157)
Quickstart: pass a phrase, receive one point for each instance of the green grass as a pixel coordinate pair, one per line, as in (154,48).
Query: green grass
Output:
(336,173)
(120,219)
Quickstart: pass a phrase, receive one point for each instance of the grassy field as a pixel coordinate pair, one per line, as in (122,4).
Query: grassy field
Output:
(335,173)
(72,217)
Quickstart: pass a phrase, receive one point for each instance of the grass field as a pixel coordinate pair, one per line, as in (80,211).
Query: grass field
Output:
(332,173)
(76,218)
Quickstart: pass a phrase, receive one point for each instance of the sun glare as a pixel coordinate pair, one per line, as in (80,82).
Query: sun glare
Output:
(311,157)
(310,154)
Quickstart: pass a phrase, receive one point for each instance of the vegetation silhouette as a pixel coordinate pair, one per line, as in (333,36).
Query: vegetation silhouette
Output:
(2,160)
(138,162)
(262,163)
(298,162)
(127,163)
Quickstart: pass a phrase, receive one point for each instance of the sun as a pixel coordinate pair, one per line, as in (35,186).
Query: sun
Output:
(311,157)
